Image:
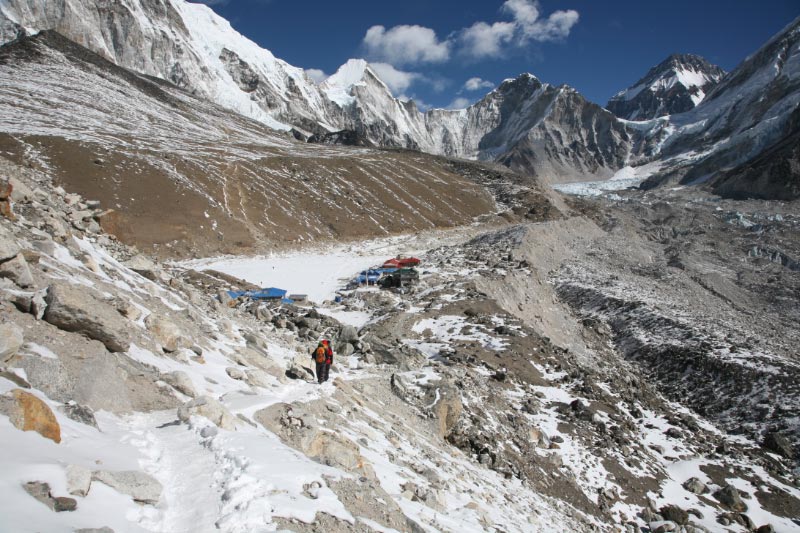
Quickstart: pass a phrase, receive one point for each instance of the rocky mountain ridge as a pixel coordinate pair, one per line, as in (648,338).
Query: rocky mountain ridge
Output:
(545,131)
(143,147)
(676,85)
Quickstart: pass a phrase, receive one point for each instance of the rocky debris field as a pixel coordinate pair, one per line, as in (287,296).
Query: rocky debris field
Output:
(610,365)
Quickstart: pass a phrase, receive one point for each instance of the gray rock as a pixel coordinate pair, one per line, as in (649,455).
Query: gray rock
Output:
(75,309)
(20,192)
(166,333)
(346,349)
(80,413)
(675,514)
(299,372)
(8,245)
(235,373)
(224,298)
(258,378)
(181,382)
(95,530)
(143,266)
(28,302)
(17,270)
(730,498)
(775,442)
(141,487)
(11,340)
(695,486)
(79,480)
(41,492)
(209,408)
(664,527)
(63,503)
(348,334)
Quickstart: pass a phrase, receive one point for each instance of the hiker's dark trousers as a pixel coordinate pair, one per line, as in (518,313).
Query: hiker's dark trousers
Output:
(322,372)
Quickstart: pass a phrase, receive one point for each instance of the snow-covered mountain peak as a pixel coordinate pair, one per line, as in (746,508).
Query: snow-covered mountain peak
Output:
(355,72)
(677,84)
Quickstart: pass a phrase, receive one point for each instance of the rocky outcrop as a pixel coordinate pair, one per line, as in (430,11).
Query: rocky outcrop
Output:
(28,413)
(76,309)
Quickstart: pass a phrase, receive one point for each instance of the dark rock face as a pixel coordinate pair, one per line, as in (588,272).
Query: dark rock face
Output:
(547,130)
(675,85)
(241,72)
(343,137)
(775,174)
(779,444)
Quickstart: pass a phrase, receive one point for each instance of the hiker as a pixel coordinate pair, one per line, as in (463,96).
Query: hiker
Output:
(323,357)
(328,358)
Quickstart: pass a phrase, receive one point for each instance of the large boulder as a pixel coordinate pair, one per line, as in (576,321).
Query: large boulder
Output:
(79,480)
(8,246)
(181,382)
(29,413)
(729,497)
(76,309)
(447,408)
(209,408)
(348,334)
(166,333)
(777,443)
(141,487)
(147,268)
(16,269)
(11,340)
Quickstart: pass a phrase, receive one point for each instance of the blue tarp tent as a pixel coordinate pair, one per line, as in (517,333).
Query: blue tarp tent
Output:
(269,293)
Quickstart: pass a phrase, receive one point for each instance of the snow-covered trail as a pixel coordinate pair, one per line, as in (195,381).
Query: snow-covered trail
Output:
(234,482)
(173,454)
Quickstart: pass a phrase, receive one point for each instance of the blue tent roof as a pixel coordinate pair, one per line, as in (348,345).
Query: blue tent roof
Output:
(268,293)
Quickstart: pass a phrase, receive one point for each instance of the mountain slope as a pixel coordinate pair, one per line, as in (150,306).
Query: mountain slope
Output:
(142,147)
(677,84)
(752,111)
(184,43)
(190,46)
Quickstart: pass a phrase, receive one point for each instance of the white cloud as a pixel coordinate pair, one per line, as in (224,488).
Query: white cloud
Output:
(476,84)
(459,103)
(482,40)
(397,80)
(531,27)
(405,45)
(316,74)
(413,45)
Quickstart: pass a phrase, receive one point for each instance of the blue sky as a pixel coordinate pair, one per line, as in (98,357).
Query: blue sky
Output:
(445,52)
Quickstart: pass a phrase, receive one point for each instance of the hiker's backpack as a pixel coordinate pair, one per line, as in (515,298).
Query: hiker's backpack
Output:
(319,354)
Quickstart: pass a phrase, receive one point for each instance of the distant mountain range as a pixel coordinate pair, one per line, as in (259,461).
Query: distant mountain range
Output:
(697,124)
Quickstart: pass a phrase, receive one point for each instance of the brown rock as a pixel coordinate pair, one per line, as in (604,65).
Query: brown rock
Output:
(29,413)
(5,189)
(6,211)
